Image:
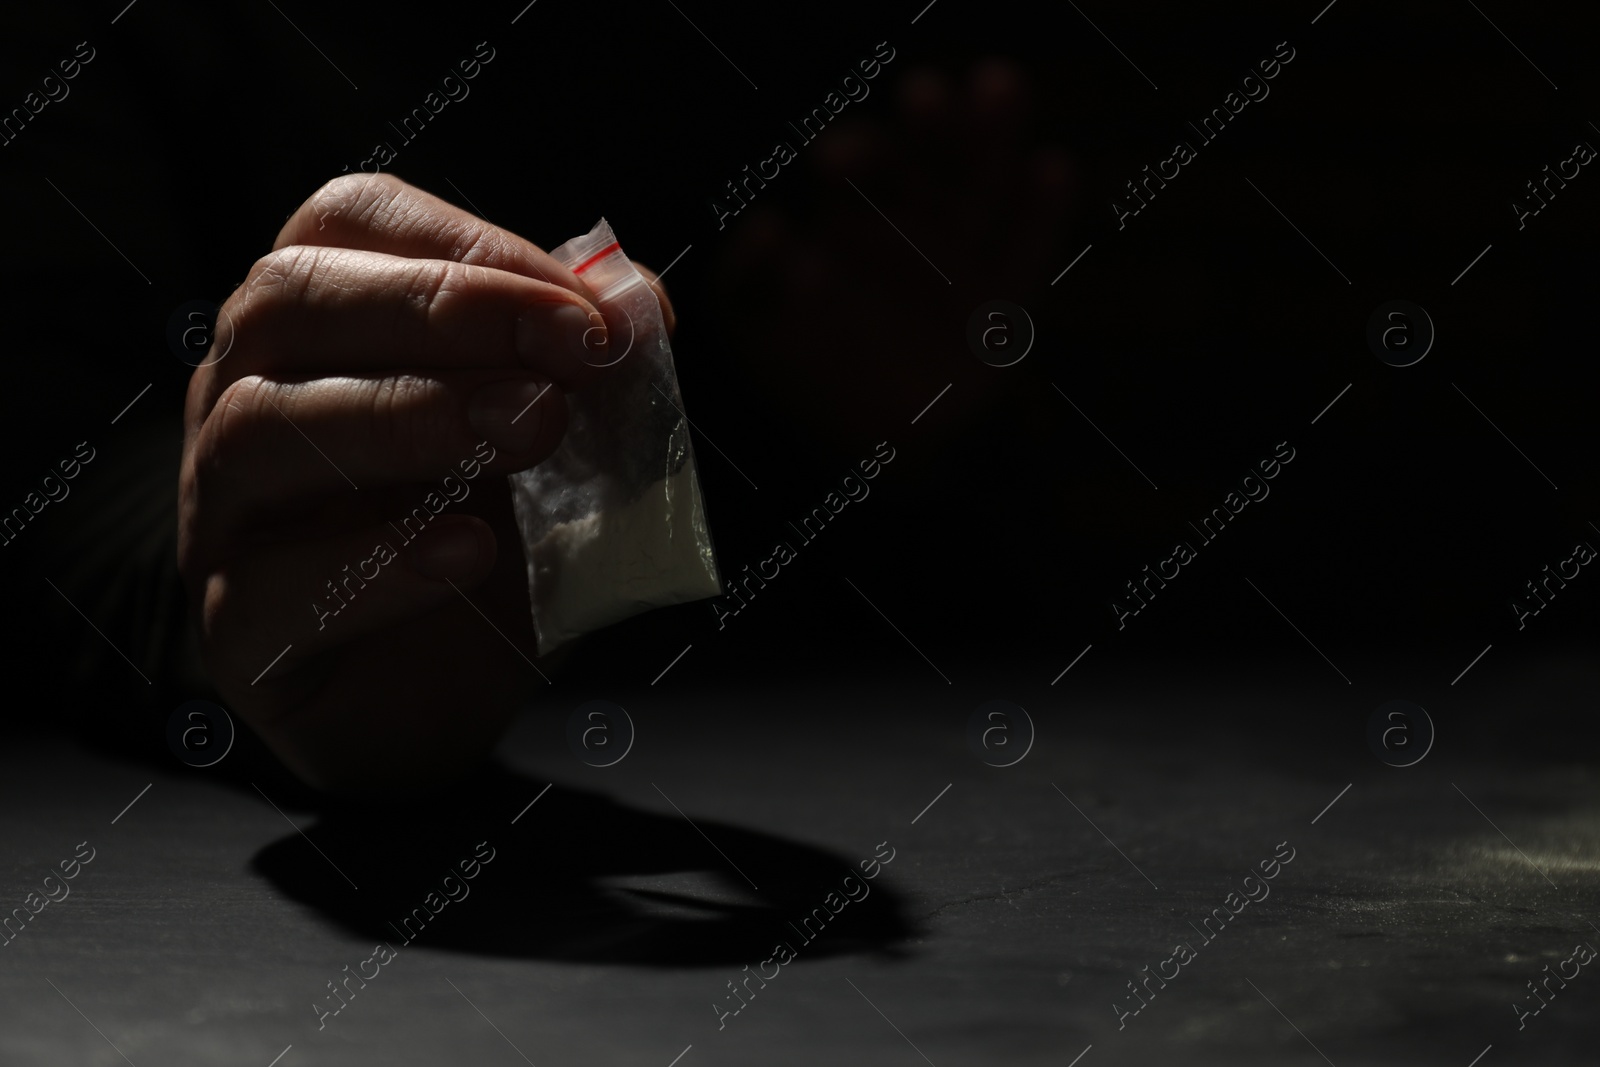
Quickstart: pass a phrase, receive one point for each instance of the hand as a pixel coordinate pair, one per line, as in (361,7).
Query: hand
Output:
(343,492)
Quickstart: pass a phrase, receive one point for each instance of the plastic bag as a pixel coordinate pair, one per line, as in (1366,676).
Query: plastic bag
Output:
(613,523)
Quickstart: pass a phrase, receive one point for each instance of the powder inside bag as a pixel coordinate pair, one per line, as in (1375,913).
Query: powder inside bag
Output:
(612,564)
(613,523)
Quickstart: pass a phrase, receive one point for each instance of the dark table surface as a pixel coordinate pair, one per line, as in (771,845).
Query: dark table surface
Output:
(1018,904)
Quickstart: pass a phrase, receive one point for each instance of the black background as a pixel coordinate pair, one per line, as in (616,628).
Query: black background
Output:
(1196,338)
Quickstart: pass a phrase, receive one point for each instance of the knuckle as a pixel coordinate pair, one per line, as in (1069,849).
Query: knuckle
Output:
(229,427)
(212,598)
(241,396)
(220,435)
(275,279)
(423,284)
(483,245)
(281,282)
(352,196)
(433,282)
(218,615)
(433,290)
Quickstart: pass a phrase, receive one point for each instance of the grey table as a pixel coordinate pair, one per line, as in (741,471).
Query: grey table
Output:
(1020,903)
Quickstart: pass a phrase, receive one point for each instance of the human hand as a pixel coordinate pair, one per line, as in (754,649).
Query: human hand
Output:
(343,500)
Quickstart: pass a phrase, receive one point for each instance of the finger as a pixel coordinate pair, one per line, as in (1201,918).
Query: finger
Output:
(306,308)
(271,444)
(321,594)
(381,213)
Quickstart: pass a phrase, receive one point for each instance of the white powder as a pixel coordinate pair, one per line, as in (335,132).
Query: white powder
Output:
(615,562)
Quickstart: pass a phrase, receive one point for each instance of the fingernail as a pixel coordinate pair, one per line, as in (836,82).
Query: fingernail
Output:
(560,332)
(452,552)
(507,413)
